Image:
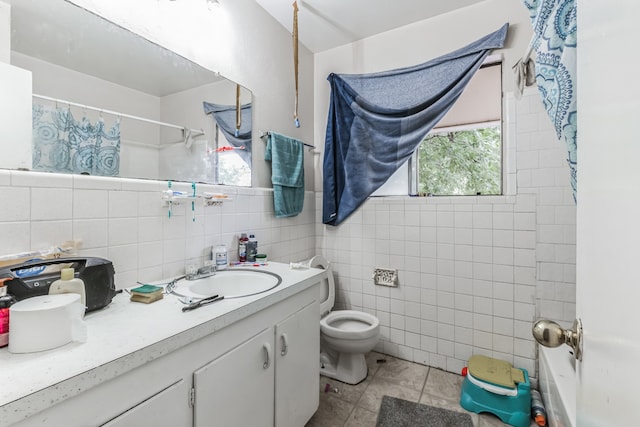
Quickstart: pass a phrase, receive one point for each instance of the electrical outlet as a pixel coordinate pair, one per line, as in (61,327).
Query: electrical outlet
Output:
(385,276)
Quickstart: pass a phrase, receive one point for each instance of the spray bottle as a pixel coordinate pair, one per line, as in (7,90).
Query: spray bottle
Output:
(538,412)
(242,247)
(252,248)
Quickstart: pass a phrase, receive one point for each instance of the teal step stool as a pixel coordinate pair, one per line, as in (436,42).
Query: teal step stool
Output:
(495,386)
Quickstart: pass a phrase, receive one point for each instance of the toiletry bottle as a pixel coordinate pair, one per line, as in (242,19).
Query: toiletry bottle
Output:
(242,247)
(68,284)
(6,301)
(252,248)
(538,412)
(220,257)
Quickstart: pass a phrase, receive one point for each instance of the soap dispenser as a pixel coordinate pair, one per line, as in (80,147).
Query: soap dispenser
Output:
(68,284)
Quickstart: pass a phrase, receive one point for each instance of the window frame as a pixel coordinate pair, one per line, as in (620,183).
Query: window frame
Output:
(414,163)
(410,168)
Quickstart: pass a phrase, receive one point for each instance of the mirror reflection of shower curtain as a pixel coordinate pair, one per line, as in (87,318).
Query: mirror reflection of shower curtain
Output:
(62,144)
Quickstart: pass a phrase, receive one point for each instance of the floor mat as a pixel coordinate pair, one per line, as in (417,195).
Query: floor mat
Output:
(402,413)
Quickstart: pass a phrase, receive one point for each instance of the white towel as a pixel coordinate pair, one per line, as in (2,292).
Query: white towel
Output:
(525,75)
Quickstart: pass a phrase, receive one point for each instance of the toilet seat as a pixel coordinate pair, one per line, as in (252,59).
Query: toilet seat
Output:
(349,324)
(326,305)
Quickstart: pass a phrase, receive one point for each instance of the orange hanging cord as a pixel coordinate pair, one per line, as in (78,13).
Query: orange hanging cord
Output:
(295,60)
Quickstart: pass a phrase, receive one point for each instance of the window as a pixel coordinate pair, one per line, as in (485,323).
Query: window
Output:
(230,168)
(460,162)
(462,155)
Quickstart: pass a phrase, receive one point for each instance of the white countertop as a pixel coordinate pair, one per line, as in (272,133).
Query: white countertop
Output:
(123,336)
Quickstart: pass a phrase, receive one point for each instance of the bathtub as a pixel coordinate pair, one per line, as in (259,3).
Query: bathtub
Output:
(558,385)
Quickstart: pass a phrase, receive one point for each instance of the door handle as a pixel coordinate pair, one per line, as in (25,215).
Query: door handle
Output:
(285,344)
(267,355)
(549,334)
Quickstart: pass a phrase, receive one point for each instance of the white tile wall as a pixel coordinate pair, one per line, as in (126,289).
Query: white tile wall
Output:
(555,215)
(123,220)
(474,272)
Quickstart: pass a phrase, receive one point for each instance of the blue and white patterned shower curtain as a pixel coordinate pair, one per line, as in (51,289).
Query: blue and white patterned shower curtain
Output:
(62,144)
(555,42)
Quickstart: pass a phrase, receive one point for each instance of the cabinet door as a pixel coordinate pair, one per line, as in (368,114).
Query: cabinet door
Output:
(153,411)
(236,389)
(297,367)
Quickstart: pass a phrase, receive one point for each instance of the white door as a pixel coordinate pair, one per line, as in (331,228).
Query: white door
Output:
(608,212)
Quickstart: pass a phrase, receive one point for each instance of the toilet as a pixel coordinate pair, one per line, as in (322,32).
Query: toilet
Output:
(345,335)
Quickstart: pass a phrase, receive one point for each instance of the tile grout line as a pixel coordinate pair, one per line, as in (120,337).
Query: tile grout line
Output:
(355,406)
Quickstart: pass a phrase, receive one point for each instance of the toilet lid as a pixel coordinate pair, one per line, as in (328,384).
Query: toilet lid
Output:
(319,261)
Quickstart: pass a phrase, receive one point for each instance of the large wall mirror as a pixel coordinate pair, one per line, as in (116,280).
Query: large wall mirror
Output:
(109,102)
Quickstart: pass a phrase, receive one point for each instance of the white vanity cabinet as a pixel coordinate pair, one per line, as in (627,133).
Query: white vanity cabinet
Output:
(270,379)
(260,369)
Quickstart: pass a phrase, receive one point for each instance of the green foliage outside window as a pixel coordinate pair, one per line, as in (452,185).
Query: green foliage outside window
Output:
(465,162)
(233,170)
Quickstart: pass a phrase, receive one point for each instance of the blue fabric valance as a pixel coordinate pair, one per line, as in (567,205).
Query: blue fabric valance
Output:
(376,121)
(225,117)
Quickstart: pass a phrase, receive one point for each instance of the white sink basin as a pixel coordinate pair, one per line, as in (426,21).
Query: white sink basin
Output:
(232,283)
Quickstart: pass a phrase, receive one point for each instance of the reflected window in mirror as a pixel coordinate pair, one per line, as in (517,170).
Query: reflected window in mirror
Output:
(232,140)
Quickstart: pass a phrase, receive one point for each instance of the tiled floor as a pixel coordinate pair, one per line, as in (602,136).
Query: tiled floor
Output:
(358,405)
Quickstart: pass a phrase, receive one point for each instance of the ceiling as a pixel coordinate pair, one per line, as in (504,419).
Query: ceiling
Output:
(325,24)
(61,33)
(42,30)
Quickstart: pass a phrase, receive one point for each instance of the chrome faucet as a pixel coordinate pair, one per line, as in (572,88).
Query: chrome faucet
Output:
(203,272)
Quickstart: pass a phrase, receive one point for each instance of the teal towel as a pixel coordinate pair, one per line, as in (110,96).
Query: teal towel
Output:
(287,174)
